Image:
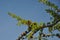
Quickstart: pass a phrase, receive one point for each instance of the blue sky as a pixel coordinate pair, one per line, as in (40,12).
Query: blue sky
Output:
(27,9)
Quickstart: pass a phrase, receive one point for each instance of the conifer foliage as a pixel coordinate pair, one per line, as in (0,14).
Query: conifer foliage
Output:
(34,27)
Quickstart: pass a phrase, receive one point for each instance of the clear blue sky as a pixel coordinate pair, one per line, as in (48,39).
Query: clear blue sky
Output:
(27,9)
